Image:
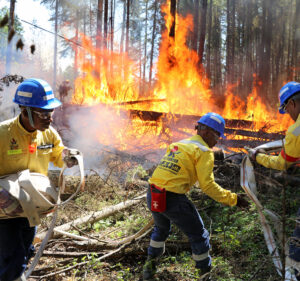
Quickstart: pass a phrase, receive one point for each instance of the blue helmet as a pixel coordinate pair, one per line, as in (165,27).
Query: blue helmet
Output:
(214,121)
(286,92)
(36,93)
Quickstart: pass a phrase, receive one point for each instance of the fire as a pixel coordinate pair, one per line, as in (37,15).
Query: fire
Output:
(181,88)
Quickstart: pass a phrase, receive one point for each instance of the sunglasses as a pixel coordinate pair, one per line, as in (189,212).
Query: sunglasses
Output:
(43,114)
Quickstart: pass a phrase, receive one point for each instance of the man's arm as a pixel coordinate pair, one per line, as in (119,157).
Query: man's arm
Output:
(204,168)
(289,155)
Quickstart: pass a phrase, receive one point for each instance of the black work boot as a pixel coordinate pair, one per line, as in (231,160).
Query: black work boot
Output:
(204,273)
(149,268)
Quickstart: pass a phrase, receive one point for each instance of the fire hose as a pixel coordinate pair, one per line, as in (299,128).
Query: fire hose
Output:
(248,183)
(61,183)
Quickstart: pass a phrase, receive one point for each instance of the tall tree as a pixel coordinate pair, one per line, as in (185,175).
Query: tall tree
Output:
(10,34)
(105,43)
(55,44)
(230,41)
(208,61)
(145,43)
(127,26)
(196,26)
(153,40)
(173,13)
(296,43)
(202,31)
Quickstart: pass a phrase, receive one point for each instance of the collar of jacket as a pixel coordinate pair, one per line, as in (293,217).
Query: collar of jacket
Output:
(22,129)
(199,139)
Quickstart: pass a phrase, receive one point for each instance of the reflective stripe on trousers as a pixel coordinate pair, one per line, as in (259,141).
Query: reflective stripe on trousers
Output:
(183,213)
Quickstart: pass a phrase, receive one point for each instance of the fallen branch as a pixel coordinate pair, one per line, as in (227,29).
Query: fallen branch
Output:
(98,259)
(91,218)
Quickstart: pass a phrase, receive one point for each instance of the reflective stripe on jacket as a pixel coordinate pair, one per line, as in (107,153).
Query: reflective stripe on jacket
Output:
(289,155)
(20,149)
(184,163)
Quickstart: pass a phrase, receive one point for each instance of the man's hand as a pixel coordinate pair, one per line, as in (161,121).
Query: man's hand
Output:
(242,202)
(252,152)
(9,204)
(68,157)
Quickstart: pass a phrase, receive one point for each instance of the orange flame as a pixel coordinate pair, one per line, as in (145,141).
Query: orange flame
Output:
(181,88)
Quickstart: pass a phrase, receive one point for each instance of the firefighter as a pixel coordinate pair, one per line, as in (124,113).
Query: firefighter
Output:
(26,142)
(64,89)
(184,163)
(289,98)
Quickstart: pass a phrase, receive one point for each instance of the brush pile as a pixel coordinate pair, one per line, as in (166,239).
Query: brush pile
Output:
(104,233)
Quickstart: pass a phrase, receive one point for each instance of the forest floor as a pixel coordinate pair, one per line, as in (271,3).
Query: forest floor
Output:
(238,248)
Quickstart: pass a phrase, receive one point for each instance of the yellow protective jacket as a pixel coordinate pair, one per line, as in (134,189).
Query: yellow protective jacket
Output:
(184,163)
(20,149)
(288,155)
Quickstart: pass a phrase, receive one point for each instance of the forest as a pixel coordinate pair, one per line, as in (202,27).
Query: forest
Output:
(140,74)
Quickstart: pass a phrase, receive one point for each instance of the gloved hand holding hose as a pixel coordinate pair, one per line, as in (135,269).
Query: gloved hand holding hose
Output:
(68,157)
(252,152)
(242,202)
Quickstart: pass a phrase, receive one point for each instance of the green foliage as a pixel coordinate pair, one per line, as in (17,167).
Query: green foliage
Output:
(102,224)
(17,23)
(136,172)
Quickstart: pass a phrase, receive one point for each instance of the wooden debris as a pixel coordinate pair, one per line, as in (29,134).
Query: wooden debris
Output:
(91,218)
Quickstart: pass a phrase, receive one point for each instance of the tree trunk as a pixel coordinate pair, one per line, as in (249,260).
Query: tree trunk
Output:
(55,46)
(99,25)
(105,23)
(152,41)
(202,31)
(99,36)
(248,75)
(230,46)
(208,59)
(127,27)
(145,48)
(216,45)
(196,27)
(173,13)
(123,29)
(76,45)
(296,43)
(266,74)
(112,17)
(10,32)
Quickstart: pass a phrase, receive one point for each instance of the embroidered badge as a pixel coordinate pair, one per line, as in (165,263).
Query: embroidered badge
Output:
(13,144)
(173,151)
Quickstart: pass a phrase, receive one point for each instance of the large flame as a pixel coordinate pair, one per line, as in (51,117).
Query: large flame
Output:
(181,88)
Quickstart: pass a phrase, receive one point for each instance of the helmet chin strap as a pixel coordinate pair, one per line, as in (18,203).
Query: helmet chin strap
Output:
(30,116)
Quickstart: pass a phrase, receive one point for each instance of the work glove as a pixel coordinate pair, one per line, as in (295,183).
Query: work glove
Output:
(242,202)
(68,157)
(252,152)
(9,204)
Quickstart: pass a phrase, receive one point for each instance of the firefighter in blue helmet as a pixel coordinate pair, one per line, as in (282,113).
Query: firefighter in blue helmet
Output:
(289,98)
(27,141)
(186,162)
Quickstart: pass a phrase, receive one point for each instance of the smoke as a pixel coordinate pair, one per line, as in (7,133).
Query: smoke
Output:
(92,130)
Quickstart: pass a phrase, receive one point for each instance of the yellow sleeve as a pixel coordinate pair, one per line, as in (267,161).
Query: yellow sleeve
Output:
(204,169)
(289,155)
(56,155)
(271,161)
